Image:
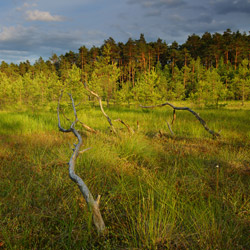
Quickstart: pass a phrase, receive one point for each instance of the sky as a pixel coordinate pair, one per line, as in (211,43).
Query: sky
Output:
(33,28)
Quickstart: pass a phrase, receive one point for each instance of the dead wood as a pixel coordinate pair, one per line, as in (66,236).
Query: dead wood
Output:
(170,129)
(101,107)
(174,117)
(130,130)
(203,123)
(138,125)
(104,113)
(89,129)
(93,205)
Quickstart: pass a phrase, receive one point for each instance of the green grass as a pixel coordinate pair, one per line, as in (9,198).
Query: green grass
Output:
(158,191)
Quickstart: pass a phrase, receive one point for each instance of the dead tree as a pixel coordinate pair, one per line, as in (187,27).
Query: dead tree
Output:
(104,113)
(93,205)
(101,107)
(86,127)
(203,123)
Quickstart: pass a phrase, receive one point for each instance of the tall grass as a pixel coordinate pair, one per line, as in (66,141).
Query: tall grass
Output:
(158,191)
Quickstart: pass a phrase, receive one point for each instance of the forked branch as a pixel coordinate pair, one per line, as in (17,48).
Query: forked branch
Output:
(89,129)
(203,123)
(93,205)
(101,107)
(108,118)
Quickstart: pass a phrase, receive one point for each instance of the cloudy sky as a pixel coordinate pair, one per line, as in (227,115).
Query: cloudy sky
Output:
(33,28)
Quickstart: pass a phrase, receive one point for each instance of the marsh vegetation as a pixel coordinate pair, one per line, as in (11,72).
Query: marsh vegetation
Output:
(158,191)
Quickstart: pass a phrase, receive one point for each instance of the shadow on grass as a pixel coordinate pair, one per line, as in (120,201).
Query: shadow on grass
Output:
(10,127)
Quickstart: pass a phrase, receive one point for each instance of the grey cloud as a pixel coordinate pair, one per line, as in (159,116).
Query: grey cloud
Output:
(31,38)
(16,56)
(96,20)
(231,6)
(203,18)
(180,30)
(93,37)
(158,3)
(176,18)
(12,35)
(35,42)
(155,8)
(153,12)
(200,28)
(214,26)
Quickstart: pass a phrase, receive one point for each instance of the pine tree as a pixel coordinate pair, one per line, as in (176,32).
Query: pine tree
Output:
(147,88)
(242,81)
(105,76)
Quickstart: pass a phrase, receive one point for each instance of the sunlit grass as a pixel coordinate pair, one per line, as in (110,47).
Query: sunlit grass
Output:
(158,191)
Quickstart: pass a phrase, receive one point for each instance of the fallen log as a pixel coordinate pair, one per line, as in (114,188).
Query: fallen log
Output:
(203,123)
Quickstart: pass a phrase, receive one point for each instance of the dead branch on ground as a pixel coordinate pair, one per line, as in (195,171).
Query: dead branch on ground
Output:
(101,107)
(93,205)
(89,129)
(203,123)
(104,113)
(130,130)
(170,129)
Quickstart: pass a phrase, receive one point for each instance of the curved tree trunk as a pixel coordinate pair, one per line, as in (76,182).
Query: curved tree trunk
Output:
(93,205)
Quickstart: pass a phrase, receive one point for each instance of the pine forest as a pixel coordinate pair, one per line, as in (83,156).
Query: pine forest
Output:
(208,69)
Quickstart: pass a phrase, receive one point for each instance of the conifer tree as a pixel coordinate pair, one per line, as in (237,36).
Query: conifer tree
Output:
(105,76)
(242,81)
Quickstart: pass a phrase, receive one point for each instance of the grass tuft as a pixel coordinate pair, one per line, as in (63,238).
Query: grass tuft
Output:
(158,191)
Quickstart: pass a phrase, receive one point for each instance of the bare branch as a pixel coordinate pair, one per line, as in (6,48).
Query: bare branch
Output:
(138,125)
(108,118)
(203,123)
(86,149)
(174,117)
(65,117)
(92,204)
(169,127)
(74,108)
(126,125)
(58,116)
(88,128)
(100,104)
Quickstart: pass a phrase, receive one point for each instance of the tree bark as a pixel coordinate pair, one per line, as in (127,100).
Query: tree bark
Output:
(101,107)
(93,205)
(203,123)
(108,118)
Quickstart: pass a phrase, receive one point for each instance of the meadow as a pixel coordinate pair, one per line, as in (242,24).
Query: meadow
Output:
(158,191)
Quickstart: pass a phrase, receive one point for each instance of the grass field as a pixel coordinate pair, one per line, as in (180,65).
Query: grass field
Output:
(158,191)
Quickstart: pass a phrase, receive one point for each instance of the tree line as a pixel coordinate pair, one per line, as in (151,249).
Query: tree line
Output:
(205,69)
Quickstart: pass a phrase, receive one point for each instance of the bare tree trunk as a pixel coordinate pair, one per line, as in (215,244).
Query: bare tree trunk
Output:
(92,204)
(236,58)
